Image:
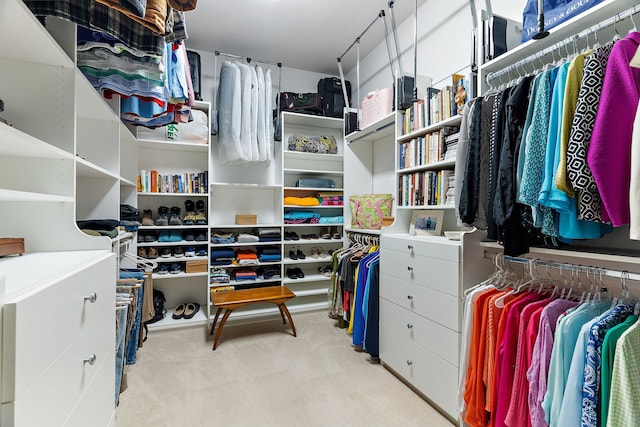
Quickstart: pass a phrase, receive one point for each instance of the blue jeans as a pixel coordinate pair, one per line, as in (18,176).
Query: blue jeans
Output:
(121,332)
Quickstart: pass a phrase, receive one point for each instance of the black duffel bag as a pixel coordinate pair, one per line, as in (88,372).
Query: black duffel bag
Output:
(307,103)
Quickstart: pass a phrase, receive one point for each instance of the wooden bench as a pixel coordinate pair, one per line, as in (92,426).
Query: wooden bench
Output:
(231,300)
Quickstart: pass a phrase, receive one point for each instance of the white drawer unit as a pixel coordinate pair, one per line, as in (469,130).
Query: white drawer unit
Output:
(420,314)
(58,340)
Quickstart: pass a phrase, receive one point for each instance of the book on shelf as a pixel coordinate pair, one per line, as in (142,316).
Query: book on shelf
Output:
(184,183)
(424,188)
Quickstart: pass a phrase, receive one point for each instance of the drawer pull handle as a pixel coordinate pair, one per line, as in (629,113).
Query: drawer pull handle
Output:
(409,325)
(92,297)
(90,360)
(409,297)
(409,362)
(410,247)
(410,268)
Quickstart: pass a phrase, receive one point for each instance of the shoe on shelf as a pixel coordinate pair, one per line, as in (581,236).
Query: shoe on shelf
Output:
(164,236)
(324,233)
(294,236)
(189,213)
(175,268)
(178,311)
(175,236)
(201,252)
(178,252)
(335,234)
(174,216)
(300,254)
(314,252)
(163,216)
(188,236)
(190,251)
(150,237)
(147,217)
(201,237)
(321,253)
(325,270)
(140,237)
(201,217)
(191,309)
(142,252)
(163,269)
(287,235)
(292,254)
(299,273)
(291,273)
(152,253)
(165,252)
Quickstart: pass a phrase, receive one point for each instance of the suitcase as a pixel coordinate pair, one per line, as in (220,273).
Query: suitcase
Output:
(195,69)
(330,90)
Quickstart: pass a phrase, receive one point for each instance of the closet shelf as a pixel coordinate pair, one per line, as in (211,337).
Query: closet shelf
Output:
(243,283)
(311,241)
(321,189)
(180,243)
(444,164)
(566,30)
(262,264)
(175,146)
(310,121)
(168,322)
(307,260)
(314,225)
(309,293)
(172,227)
(246,226)
(157,276)
(236,245)
(378,130)
(19,144)
(426,207)
(301,155)
(179,259)
(173,194)
(127,182)
(307,278)
(240,185)
(451,121)
(586,254)
(363,231)
(87,169)
(27,196)
(314,207)
(312,172)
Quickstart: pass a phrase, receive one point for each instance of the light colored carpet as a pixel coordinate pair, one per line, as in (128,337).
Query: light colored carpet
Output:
(260,375)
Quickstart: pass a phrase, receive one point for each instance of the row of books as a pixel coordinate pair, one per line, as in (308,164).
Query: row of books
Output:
(186,183)
(438,105)
(431,148)
(427,188)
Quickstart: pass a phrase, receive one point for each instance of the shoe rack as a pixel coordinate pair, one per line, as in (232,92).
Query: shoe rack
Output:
(175,222)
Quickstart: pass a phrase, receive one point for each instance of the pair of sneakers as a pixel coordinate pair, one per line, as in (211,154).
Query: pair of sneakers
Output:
(168,216)
(170,236)
(194,213)
(174,268)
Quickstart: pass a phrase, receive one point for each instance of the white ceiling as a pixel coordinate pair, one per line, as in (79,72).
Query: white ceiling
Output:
(304,34)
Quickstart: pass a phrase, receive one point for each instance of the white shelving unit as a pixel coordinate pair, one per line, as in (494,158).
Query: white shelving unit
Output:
(310,290)
(64,139)
(173,157)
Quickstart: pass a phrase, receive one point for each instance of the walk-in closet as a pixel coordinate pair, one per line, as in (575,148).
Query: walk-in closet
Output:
(362,213)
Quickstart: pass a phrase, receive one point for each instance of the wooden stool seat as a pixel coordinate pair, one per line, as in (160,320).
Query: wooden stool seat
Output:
(231,300)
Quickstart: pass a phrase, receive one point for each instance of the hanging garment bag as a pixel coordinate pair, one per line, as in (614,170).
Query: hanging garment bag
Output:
(196,73)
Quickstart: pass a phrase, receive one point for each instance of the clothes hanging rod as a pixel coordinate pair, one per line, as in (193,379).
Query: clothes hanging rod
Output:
(248,59)
(564,43)
(564,266)
(380,15)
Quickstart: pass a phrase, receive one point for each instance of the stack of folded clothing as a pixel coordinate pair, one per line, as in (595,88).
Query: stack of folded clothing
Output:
(301,217)
(246,257)
(270,255)
(100,227)
(331,220)
(244,274)
(301,201)
(218,276)
(330,200)
(270,235)
(221,256)
(220,237)
(272,272)
(129,217)
(247,238)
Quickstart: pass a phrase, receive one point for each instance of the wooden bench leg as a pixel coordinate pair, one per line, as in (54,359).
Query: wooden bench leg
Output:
(282,314)
(215,319)
(219,332)
(283,308)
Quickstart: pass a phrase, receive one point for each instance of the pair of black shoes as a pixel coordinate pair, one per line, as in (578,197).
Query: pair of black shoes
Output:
(291,235)
(295,273)
(296,254)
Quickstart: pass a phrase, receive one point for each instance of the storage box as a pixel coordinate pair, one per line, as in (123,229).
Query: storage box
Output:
(11,246)
(197,266)
(376,105)
(246,219)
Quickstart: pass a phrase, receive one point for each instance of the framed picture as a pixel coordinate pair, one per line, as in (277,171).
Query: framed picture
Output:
(426,222)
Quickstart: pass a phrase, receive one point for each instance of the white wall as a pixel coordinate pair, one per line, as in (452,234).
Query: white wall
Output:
(444,43)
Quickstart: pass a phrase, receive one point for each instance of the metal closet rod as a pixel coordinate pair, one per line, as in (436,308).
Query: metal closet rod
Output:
(562,44)
(577,268)
(380,15)
(248,59)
